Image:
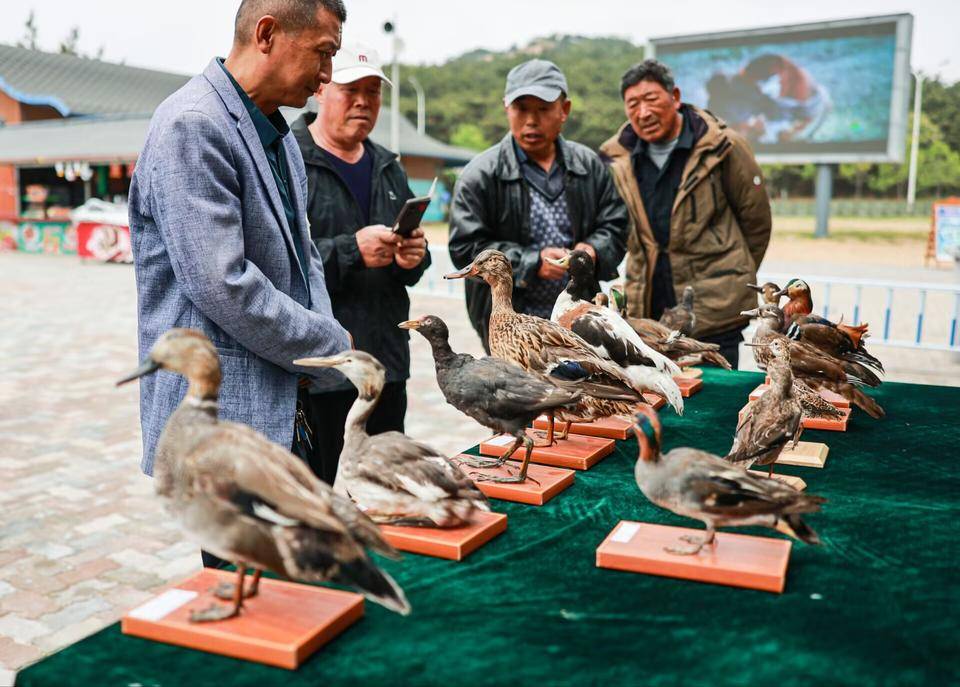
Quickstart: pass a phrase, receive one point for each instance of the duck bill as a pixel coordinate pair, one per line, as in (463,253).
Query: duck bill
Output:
(755,287)
(562,263)
(331,361)
(756,345)
(148,366)
(751,313)
(410,324)
(781,292)
(468,271)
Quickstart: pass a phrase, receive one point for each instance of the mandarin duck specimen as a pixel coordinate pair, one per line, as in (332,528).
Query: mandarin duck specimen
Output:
(702,486)
(772,420)
(392,478)
(838,339)
(681,317)
(683,350)
(769,292)
(538,345)
(250,501)
(608,334)
(818,369)
(498,394)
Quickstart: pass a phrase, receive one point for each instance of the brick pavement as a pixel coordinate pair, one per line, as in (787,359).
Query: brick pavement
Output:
(81,537)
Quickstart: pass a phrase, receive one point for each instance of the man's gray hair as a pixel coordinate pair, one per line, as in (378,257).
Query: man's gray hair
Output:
(648,70)
(293,15)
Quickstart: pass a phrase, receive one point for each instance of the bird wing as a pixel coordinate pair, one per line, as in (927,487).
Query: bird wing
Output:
(396,462)
(609,332)
(510,390)
(731,491)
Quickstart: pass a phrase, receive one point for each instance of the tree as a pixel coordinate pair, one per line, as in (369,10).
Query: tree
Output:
(68,46)
(29,32)
(470,136)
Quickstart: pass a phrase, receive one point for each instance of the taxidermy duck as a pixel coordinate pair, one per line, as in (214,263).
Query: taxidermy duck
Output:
(250,501)
(499,395)
(538,345)
(769,292)
(818,369)
(681,316)
(392,478)
(608,334)
(773,420)
(683,350)
(702,486)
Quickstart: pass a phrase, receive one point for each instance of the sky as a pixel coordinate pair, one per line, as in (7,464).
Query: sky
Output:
(182,35)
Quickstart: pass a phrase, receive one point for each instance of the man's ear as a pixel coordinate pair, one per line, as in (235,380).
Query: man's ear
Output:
(567,104)
(318,95)
(265,32)
(676,97)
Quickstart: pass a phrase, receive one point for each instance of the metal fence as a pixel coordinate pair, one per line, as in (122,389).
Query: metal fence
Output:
(904,314)
(851,207)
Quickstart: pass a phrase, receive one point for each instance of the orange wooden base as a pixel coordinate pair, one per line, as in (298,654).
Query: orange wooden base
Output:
(281,626)
(839,425)
(736,560)
(608,428)
(551,482)
(576,451)
(789,480)
(688,386)
(833,399)
(656,400)
(808,454)
(454,543)
(690,373)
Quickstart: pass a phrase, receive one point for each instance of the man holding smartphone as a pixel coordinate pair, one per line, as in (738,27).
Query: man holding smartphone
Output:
(355,190)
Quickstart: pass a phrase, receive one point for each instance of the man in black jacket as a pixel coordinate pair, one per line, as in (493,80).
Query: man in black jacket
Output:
(355,189)
(535,195)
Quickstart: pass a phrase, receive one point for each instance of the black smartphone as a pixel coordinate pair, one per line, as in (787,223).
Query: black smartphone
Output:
(412,212)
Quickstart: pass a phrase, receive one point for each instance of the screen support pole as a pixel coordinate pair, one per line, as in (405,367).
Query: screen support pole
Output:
(823,190)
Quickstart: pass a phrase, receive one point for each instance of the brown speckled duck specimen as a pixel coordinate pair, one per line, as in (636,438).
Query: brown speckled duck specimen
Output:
(773,420)
(681,317)
(769,292)
(683,350)
(541,346)
(702,486)
(816,368)
(249,501)
(498,394)
(392,478)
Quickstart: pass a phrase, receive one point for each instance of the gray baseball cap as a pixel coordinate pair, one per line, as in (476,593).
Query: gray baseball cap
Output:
(539,78)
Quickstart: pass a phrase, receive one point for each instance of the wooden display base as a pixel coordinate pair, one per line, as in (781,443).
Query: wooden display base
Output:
(281,626)
(613,427)
(454,543)
(690,373)
(688,386)
(808,454)
(736,560)
(828,425)
(789,480)
(577,451)
(655,400)
(551,482)
(833,399)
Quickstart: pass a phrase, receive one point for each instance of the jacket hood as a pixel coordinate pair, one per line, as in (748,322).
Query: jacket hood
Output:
(508,167)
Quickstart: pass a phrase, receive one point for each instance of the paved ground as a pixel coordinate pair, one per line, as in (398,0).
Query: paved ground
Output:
(81,538)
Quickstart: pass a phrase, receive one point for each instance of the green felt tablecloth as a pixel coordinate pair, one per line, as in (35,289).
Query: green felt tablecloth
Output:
(876,604)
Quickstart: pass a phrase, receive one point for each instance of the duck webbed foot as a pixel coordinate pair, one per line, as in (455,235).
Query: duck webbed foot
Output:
(479,462)
(511,479)
(696,544)
(227,590)
(214,612)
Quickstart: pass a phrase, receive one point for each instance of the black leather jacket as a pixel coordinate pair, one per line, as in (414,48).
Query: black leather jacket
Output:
(369,303)
(491,209)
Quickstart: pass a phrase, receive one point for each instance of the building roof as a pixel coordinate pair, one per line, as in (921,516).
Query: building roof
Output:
(119,138)
(80,85)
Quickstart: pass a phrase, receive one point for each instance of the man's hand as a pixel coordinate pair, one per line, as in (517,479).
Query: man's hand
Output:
(590,250)
(377,244)
(411,250)
(548,271)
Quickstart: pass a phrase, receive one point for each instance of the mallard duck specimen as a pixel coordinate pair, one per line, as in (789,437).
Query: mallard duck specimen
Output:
(499,395)
(702,486)
(247,500)
(769,292)
(392,478)
(683,350)
(538,345)
(772,420)
(681,317)
(608,334)
(818,369)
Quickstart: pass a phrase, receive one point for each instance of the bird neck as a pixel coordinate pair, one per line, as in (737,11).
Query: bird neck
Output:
(649,452)
(443,355)
(360,412)
(501,290)
(780,377)
(581,289)
(801,304)
(202,393)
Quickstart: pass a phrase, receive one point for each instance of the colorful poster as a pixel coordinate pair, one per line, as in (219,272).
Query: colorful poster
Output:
(946,227)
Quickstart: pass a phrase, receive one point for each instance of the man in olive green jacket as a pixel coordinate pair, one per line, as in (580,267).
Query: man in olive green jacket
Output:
(700,214)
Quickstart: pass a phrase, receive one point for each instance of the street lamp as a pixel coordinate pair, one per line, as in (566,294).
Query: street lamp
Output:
(915,141)
(390,27)
(421,105)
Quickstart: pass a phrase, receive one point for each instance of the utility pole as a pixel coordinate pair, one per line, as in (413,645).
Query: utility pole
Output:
(421,105)
(915,141)
(391,28)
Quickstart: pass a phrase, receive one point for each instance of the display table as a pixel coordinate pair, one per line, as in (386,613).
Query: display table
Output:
(875,604)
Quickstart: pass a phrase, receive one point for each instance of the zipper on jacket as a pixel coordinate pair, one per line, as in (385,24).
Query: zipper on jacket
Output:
(693,208)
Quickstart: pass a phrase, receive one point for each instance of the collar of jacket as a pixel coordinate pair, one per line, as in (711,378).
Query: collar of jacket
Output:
(313,154)
(508,167)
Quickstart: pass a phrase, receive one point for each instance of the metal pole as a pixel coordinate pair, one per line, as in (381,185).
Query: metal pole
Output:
(823,191)
(915,141)
(421,105)
(395,94)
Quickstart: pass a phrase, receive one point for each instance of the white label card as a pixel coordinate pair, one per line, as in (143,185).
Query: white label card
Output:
(501,440)
(161,606)
(625,532)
